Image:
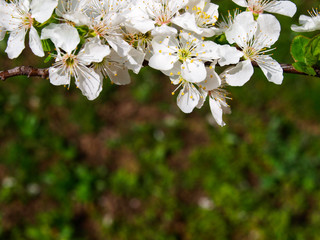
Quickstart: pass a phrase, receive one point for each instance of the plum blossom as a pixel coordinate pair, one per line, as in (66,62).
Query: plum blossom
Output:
(113,67)
(254,38)
(156,15)
(72,11)
(186,55)
(308,24)
(282,7)
(226,22)
(19,17)
(200,17)
(70,64)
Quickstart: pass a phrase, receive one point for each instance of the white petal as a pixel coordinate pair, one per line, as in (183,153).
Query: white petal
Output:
(268,29)
(143,26)
(229,55)
(118,74)
(242,3)
(174,72)
(212,80)
(216,111)
(10,18)
(203,97)
(25,5)
(162,61)
(164,30)
(188,98)
(2,33)
(240,74)
(286,8)
(93,52)
(207,50)
(121,47)
(308,24)
(41,10)
(188,22)
(242,30)
(58,77)
(78,18)
(62,35)
(271,69)
(89,82)
(35,42)
(16,43)
(193,71)
(135,60)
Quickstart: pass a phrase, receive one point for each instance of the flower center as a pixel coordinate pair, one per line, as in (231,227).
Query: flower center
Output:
(258,6)
(249,52)
(70,61)
(184,54)
(162,19)
(28,21)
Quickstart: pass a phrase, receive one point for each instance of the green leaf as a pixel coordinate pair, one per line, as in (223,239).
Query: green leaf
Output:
(303,67)
(313,51)
(298,46)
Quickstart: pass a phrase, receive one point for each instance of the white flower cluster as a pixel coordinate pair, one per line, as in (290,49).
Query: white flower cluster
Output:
(97,39)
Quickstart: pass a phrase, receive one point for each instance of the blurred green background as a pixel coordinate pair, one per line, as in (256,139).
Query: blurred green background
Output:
(130,165)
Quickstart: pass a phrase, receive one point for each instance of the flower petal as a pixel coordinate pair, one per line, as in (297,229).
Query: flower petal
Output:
(286,8)
(35,42)
(268,29)
(212,81)
(89,82)
(41,10)
(242,3)
(62,35)
(2,33)
(229,55)
(118,74)
(216,111)
(240,74)
(271,69)
(193,71)
(58,77)
(188,22)
(162,61)
(188,98)
(93,51)
(242,30)
(16,43)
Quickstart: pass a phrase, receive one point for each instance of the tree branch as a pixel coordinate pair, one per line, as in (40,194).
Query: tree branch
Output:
(24,71)
(44,73)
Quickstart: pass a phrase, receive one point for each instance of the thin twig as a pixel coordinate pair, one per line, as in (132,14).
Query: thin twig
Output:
(44,73)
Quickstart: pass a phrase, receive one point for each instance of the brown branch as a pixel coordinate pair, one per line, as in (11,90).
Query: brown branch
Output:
(24,71)
(44,73)
(288,68)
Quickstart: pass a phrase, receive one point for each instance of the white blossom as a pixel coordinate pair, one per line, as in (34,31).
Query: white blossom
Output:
(308,23)
(185,56)
(70,64)
(200,17)
(283,7)
(72,10)
(19,17)
(254,38)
